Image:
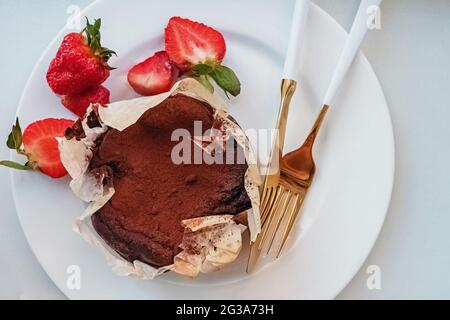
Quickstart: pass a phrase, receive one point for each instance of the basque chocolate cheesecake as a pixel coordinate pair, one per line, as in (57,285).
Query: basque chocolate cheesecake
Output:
(153,195)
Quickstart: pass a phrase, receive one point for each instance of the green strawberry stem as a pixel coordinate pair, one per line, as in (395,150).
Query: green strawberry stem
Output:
(15,165)
(224,77)
(93,37)
(14,142)
(204,80)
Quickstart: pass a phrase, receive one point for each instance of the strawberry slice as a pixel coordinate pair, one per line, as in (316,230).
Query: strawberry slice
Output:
(39,146)
(189,43)
(155,75)
(79,103)
(198,50)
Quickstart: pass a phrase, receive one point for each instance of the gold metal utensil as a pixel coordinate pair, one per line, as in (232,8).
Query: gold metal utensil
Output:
(270,188)
(281,210)
(297,167)
(297,170)
(297,173)
(272,176)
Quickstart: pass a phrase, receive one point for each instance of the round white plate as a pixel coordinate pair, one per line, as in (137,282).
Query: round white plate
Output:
(347,204)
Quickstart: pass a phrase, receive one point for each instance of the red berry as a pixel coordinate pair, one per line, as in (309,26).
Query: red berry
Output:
(80,63)
(79,103)
(189,43)
(41,146)
(155,75)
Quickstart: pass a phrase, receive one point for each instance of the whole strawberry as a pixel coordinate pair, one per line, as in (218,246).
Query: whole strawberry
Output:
(38,143)
(79,103)
(80,63)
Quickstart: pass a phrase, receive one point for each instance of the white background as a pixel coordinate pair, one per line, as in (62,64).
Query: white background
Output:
(410,55)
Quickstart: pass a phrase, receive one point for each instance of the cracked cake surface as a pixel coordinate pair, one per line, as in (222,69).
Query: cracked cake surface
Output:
(142,221)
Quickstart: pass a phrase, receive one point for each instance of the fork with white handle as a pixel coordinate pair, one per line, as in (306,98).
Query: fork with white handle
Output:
(298,167)
(270,187)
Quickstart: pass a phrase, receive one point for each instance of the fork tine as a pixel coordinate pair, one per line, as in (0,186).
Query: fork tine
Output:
(269,198)
(268,216)
(254,255)
(276,214)
(270,203)
(256,247)
(264,197)
(280,213)
(268,194)
(293,214)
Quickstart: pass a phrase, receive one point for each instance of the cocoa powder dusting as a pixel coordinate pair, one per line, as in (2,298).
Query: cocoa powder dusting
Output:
(142,221)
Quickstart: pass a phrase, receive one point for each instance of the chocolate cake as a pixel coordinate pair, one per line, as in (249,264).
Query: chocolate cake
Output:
(142,221)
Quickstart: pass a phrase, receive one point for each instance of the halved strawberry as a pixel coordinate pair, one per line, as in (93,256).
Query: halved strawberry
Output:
(155,75)
(39,146)
(79,103)
(198,50)
(189,43)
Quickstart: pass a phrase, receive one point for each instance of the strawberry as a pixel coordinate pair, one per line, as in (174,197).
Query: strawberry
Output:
(155,75)
(199,50)
(79,103)
(80,63)
(38,143)
(190,43)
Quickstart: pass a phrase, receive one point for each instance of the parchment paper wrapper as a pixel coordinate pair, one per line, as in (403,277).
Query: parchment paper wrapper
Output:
(209,242)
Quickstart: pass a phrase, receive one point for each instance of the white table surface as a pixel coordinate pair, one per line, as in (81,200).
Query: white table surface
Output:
(411,56)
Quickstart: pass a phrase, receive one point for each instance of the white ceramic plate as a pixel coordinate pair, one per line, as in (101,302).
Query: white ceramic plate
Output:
(345,209)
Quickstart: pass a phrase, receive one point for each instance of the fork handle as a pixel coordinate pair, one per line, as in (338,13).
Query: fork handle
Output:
(351,48)
(316,127)
(288,88)
(296,36)
(273,166)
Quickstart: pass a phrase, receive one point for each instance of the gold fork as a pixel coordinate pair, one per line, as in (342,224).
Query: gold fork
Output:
(297,167)
(297,173)
(297,170)
(269,187)
(288,85)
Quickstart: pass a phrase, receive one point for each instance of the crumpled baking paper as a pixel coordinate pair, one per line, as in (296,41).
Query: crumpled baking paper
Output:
(217,239)
(217,242)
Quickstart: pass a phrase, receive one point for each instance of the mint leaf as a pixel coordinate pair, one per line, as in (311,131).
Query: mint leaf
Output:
(204,80)
(202,69)
(15,165)
(227,80)
(15,138)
